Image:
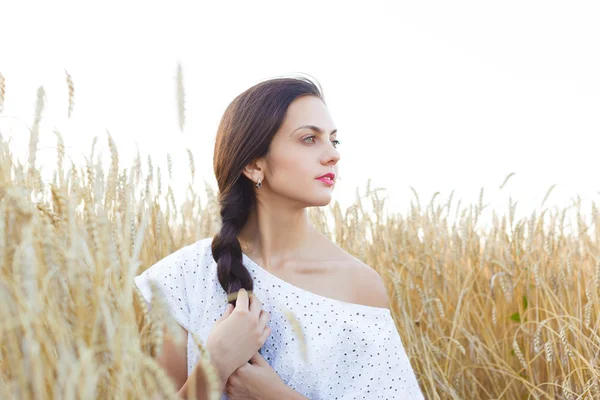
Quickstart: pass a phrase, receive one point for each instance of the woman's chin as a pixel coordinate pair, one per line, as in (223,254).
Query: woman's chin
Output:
(322,201)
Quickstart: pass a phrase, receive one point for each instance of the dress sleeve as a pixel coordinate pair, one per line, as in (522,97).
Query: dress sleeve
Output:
(169,274)
(390,374)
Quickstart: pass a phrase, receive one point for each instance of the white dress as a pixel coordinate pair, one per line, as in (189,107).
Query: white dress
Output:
(353,351)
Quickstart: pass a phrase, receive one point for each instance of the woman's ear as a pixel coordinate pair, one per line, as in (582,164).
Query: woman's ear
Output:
(253,170)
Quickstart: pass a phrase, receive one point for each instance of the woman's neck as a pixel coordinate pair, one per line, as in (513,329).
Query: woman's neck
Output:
(271,236)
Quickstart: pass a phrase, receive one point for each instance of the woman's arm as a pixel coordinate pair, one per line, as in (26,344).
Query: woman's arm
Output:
(222,370)
(257,380)
(201,384)
(173,358)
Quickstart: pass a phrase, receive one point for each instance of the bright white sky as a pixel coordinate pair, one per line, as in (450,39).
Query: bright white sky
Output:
(435,95)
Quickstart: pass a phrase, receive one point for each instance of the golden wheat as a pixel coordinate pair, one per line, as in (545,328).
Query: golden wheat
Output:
(509,311)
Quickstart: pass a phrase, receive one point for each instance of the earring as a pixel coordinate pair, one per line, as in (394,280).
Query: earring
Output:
(259,184)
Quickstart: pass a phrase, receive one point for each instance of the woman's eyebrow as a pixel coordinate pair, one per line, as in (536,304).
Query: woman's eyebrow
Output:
(314,128)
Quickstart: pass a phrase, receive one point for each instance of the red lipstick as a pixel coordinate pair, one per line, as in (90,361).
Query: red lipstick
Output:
(328,178)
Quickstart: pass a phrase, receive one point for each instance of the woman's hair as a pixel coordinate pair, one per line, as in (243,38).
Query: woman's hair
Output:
(245,133)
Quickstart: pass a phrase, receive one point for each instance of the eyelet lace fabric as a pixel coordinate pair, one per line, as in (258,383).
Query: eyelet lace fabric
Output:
(350,351)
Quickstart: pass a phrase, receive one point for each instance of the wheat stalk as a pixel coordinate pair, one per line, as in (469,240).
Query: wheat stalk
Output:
(180,97)
(2,92)
(71,89)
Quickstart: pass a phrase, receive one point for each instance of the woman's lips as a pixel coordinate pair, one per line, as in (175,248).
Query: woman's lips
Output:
(326,180)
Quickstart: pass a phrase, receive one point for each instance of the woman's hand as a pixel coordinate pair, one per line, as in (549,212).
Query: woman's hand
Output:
(238,334)
(256,380)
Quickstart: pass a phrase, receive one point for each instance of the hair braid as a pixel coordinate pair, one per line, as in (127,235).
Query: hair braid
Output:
(226,248)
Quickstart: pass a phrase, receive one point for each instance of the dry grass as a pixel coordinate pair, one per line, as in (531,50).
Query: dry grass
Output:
(506,312)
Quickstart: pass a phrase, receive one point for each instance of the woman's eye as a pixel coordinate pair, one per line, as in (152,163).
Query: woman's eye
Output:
(336,142)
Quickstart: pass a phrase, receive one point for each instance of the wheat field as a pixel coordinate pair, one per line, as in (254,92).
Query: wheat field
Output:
(509,312)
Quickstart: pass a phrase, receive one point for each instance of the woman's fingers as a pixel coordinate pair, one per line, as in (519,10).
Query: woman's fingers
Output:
(265,335)
(242,300)
(227,312)
(255,305)
(263,319)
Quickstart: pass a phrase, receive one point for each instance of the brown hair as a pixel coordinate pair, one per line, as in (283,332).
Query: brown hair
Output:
(245,132)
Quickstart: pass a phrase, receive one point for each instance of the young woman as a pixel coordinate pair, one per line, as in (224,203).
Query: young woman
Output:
(276,154)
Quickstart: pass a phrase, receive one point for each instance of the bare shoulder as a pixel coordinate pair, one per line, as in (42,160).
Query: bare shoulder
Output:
(368,285)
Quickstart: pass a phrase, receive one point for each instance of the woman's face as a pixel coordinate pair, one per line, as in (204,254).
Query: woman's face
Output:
(298,155)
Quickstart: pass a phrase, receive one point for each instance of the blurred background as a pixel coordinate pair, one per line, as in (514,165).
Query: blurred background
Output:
(428,97)
(432,95)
